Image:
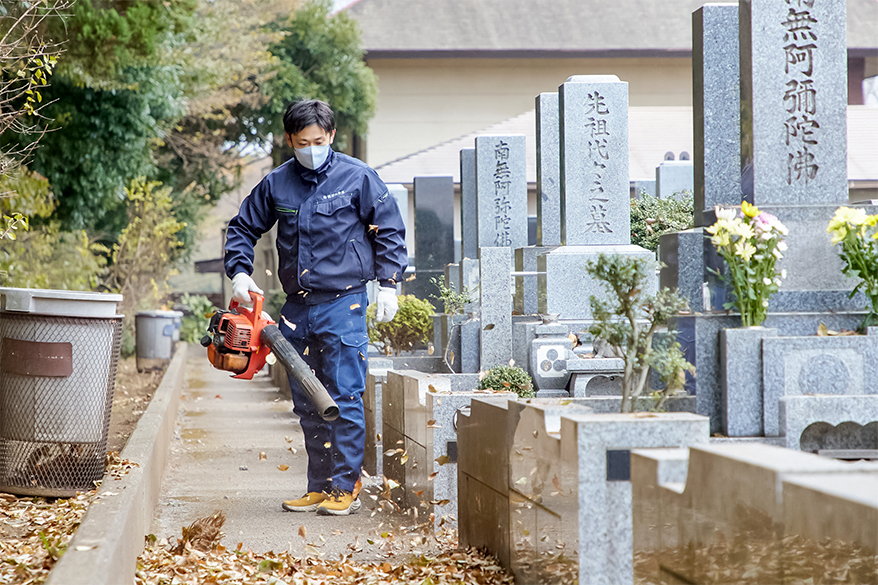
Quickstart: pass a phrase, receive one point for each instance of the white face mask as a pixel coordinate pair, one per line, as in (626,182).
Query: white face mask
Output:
(312,157)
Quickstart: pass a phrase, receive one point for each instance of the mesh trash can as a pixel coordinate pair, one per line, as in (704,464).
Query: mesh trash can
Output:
(156,336)
(58,357)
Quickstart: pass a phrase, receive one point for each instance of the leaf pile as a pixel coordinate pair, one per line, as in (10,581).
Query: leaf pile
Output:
(35,531)
(158,565)
(760,554)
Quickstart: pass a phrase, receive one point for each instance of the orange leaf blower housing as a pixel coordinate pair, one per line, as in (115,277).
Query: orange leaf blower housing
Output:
(239,341)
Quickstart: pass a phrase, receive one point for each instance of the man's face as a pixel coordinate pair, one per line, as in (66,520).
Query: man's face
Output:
(312,135)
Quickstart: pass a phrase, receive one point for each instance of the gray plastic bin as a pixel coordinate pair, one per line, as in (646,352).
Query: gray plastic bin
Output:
(156,335)
(58,357)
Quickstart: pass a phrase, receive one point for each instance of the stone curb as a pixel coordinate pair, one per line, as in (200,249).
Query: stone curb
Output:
(105,548)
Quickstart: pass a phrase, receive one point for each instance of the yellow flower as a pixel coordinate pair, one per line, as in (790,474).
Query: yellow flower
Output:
(847,215)
(720,240)
(749,210)
(745,230)
(744,250)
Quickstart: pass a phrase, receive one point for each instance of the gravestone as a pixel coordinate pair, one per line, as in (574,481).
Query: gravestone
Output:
(548,169)
(434,233)
(501,191)
(794,102)
(595,194)
(468,210)
(495,294)
(674,179)
(594,160)
(716,100)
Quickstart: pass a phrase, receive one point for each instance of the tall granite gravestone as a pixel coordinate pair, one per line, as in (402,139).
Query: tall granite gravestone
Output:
(794,101)
(595,192)
(594,161)
(548,221)
(716,111)
(468,212)
(495,264)
(548,169)
(501,191)
(434,233)
(794,140)
(717,132)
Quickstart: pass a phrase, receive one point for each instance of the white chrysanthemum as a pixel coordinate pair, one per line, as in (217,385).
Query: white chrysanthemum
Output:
(783,273)
(782,246)
(766,281)
(726,213)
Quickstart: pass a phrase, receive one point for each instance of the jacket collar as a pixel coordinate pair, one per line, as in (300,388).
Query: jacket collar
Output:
(313,175)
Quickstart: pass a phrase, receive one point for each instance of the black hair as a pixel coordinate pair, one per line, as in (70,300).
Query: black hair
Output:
(304,113)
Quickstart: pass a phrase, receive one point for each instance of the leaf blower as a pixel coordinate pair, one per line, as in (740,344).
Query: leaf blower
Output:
(239,340)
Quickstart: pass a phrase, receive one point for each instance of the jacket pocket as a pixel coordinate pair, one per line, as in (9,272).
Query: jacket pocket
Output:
(355,340)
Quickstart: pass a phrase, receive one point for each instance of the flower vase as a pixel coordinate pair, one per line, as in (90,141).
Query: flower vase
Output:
(741,379)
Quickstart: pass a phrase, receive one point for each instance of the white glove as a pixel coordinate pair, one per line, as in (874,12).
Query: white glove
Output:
(242,284)
(387,304)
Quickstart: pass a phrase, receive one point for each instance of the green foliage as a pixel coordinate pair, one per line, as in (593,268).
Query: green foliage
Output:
(629,319)
(102,139)
(41,255)
(319,57)
(47,257)
(143,256)
(651,217)
(453,301)
(196,317)
(107,36)
(412,325)
(508,379)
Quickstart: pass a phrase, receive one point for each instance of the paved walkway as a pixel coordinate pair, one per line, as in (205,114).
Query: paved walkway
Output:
(216,462)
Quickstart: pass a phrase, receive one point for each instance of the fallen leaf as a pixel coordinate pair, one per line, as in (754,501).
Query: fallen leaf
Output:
(307,350)
(511,362)
(303,532)
(327,445)
(440,502)
(430,349)
(355,306)
(489,326)
(283,467)
(451,357)
(262,456)
(218,396)
(372,228)
(442,459)
(432,476)
(410,278)
(521,481)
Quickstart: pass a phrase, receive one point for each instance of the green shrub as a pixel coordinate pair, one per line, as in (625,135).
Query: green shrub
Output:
(651,217)
(412,325)
(508,378)
(197,317)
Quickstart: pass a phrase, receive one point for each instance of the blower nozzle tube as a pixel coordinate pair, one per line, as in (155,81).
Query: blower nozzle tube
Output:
(298,369)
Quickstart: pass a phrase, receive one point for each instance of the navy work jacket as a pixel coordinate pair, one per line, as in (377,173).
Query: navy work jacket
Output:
(338,227)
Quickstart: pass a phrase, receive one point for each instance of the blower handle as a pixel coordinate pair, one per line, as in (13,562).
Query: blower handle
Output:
(251,314)
(298,369)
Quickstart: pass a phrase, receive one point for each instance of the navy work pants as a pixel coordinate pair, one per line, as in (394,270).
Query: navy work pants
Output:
(331,338)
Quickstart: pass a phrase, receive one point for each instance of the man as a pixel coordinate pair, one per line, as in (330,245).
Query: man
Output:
(338,227)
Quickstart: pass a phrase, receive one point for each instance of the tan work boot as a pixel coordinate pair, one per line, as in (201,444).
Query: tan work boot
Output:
(307,503)
(339,503)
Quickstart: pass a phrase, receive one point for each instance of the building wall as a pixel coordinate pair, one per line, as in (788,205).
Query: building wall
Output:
(423,102)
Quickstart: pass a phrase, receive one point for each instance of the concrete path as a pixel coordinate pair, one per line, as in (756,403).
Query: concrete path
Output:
(216,463)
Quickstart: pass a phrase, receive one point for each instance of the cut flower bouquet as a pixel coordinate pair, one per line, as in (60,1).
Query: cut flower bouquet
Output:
(858,235)
(751,242)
